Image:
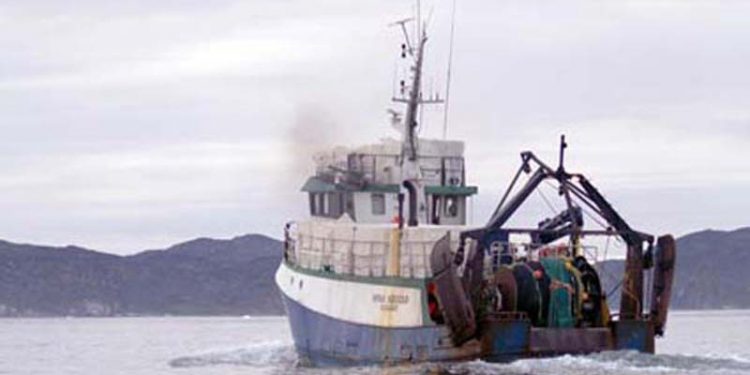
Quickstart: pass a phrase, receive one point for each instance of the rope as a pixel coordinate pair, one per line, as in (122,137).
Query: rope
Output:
(609,275)
(606,248)
(614,289)
(549,204)
(649,287)
(625,291)
(592,217)
(538,291)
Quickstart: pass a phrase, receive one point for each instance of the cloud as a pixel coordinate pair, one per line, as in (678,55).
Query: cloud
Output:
(152,186)
(131,125)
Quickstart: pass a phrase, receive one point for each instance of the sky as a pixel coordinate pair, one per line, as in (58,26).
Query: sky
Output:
(133,125)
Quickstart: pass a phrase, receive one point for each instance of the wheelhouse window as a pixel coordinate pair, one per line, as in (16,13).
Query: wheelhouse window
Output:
(436,201)
(327,204)
(313,204)
(319,204)
(451,206)
(322,204)
(378,204)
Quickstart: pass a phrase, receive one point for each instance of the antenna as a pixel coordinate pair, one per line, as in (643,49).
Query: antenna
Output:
(414,98)
(563,146)
(411,92)
(448,73)
(406,47)
(419,20)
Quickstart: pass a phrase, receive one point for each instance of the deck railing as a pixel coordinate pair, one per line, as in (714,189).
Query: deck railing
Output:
(359,257)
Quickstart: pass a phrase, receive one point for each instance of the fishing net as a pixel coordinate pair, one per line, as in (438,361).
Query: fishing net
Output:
(560,304)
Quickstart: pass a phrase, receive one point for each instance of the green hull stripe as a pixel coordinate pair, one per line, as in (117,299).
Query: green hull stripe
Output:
(383,280)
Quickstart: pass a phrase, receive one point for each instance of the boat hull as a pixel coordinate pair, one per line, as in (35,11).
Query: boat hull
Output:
(324,340)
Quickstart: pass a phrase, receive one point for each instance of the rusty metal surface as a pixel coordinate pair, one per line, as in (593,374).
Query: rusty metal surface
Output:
(634,335)
(324,341)
(454,303)
(554,341)
(663,277)
(505,337)
(631,300)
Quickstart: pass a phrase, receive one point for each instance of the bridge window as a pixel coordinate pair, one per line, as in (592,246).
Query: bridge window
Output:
(322,204)
(313,210)
(319,204)
(378,204)
(451,206)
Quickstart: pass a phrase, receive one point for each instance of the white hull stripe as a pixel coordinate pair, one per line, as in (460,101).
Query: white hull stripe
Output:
(355,302)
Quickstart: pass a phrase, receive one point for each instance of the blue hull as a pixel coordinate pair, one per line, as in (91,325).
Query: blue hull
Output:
(324,341)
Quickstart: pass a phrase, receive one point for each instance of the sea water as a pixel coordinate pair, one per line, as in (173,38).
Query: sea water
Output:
(697,342)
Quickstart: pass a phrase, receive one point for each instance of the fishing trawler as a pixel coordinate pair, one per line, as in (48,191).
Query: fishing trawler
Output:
(386,271)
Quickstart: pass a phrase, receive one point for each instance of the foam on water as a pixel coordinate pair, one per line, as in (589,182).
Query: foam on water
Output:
(714,343)
(279,356)
(610,363)
(265,354)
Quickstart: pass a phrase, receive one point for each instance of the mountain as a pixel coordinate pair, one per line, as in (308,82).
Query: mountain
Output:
(235,277)
(199,277)
(712,271)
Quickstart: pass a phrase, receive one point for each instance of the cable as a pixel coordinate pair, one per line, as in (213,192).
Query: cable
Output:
(549,204)
(614,289)
(448,74)
(606,248)
(593,218)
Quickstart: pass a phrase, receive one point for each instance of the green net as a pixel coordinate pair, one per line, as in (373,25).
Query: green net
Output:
(561,291)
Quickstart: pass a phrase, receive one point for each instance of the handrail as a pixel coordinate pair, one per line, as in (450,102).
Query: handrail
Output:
(328,254)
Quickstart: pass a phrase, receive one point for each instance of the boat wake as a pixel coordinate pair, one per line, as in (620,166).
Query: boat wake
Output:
(280,357)
(611,363)
(273,354)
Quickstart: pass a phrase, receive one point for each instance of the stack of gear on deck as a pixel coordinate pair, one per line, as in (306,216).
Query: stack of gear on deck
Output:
(556,291)
(562,293)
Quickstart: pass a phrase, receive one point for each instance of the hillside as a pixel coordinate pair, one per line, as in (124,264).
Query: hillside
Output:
(199,277)
(235,277)
(711,271)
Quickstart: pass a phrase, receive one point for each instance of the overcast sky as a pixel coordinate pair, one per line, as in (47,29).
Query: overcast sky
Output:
(134,125)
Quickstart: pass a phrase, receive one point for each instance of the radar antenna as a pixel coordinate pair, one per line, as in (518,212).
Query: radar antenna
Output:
(411,95)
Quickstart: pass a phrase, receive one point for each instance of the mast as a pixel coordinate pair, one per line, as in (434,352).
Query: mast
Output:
(411,172)
(412,106)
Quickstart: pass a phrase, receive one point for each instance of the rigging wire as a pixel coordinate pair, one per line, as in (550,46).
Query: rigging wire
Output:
(585,211)
(649,287)
(614,288)
(608,274)
(594,219)
(549,204)
(606,248)
(448,73)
